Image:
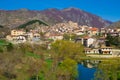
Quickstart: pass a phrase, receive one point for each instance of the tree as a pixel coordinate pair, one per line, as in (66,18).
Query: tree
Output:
(9,47)
(113,40)
(66,71)
(69,36)
(67,49)
(108,70)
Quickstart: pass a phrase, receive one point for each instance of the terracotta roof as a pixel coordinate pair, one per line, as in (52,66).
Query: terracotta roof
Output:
(86,37)
(94,29)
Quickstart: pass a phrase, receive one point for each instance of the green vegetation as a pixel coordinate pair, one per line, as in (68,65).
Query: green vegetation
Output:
(68,69)
(108,70)
(32,22)
(2,42)
(115,41)
(67,49)
(69,36)
(32,55)
(36,62)
(49,63)
(4,45)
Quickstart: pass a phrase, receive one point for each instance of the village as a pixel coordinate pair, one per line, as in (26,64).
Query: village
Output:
(93,39)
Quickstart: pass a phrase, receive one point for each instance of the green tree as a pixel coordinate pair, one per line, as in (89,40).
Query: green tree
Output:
(67,49)
(69,36)
(67,70)
(113,40)
(108,70)
(9,47)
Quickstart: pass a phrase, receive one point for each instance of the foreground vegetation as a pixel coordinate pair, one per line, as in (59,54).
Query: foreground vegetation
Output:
(108,70)
(36,62)
(113,41)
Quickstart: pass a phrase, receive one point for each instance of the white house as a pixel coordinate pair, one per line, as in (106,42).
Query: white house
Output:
(106,50)
(88,41)
(91,51)
(79,32)
(20,39)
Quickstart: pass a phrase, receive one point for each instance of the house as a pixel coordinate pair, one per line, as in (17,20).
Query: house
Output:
(36,37)
(17,32)
(102,30)
(105,50)
(94,31)
(79,40)
(84,28)
(118,29)
(54,36)
(19,36)
(88,41)
(102,50)
(8,37)
(29,36)
(114,34)
(91,51)
(20,39)
(73,24)
(102,40)
(79,32)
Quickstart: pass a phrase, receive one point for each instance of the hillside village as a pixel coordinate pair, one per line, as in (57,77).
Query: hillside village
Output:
(93,39)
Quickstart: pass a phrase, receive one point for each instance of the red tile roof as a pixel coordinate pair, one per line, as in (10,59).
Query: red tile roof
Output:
(94,29)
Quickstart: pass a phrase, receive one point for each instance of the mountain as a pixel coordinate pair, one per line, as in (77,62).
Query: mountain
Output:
(115,25)
(4,31)
(75,15)
(14,18)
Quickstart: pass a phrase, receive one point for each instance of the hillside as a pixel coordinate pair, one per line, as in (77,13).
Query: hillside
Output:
(31,23)
(75,15)
(4,31)
(14,18)
(115,25)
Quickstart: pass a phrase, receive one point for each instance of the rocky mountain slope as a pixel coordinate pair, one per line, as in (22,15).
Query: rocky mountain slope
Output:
(14,18)
(115,25)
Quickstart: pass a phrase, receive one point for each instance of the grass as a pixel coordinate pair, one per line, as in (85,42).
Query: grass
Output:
(2,42)
(33,55)
(49,63)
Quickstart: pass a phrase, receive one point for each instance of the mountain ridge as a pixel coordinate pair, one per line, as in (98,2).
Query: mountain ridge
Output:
(14,18)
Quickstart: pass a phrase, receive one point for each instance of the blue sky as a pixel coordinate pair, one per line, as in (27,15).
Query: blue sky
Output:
(107,9)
